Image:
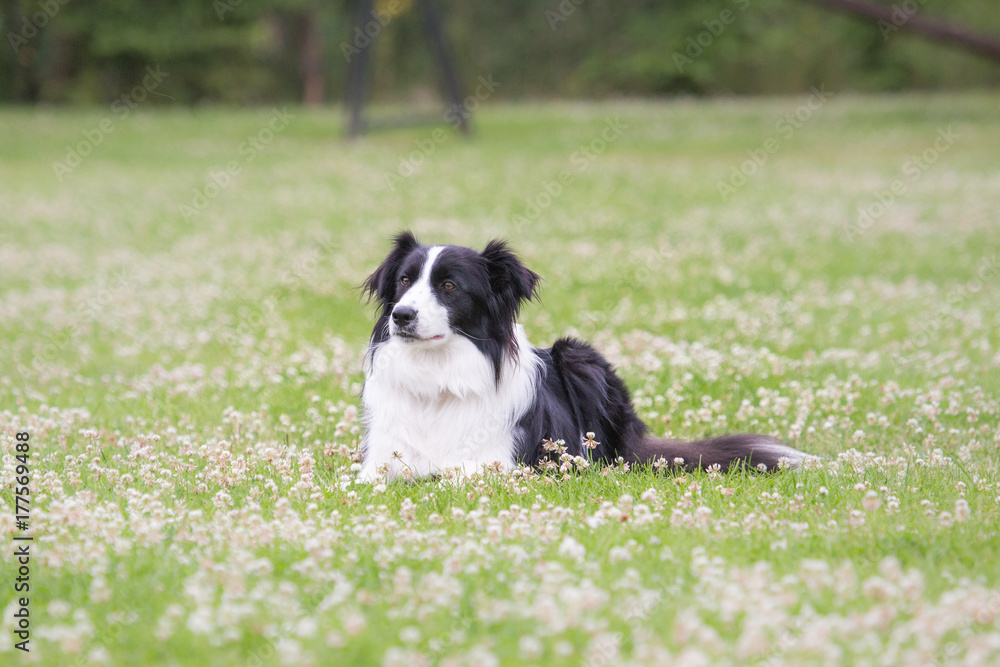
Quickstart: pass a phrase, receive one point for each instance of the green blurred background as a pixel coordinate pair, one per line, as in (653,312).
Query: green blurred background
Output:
(267,51)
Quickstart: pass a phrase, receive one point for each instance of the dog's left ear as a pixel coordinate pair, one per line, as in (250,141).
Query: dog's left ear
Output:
(511,280)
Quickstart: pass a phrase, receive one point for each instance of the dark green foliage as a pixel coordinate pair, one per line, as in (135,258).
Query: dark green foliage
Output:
(251,51)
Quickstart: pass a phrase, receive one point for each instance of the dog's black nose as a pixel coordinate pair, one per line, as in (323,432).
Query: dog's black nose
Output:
(403,315)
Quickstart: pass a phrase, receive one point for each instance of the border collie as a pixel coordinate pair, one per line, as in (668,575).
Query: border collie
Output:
(451,381)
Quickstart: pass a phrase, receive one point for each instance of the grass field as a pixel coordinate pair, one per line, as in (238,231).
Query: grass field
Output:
(182,337)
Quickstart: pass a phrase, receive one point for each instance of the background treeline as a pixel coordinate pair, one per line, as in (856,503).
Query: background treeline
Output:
(263,51)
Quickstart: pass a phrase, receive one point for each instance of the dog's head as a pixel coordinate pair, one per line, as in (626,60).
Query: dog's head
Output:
(428,295)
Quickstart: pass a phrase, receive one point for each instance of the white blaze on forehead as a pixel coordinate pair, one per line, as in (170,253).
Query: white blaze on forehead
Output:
(425,271)
(432,317)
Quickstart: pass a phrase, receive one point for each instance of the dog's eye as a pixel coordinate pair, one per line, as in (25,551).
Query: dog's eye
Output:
(448,285)
(404,281)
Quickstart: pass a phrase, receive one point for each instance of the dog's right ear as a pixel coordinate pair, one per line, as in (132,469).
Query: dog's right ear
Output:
(382,283)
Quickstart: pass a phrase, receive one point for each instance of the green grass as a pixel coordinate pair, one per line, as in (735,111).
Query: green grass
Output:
(190,387)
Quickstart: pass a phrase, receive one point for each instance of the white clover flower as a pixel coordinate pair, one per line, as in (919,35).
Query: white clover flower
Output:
(530,647)
(570,548)
(625,502)
(564,648)
(99,655)
(871,501)
(409,635)
(619,554)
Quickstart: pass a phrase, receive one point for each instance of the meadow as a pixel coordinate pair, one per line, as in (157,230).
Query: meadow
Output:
(182,338)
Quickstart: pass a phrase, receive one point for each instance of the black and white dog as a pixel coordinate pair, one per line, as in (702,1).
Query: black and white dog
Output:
(451,381)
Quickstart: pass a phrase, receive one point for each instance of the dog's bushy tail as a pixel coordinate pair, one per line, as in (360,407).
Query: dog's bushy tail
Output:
(741,450)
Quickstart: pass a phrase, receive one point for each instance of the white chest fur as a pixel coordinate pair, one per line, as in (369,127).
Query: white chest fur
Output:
(431,408)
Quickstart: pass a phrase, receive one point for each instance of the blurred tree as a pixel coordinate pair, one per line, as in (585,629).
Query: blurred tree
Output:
(256,51)
(892,18)
(19,65)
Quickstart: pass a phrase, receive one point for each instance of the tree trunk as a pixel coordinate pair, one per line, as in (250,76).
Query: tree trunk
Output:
(311,58)
(24,47)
